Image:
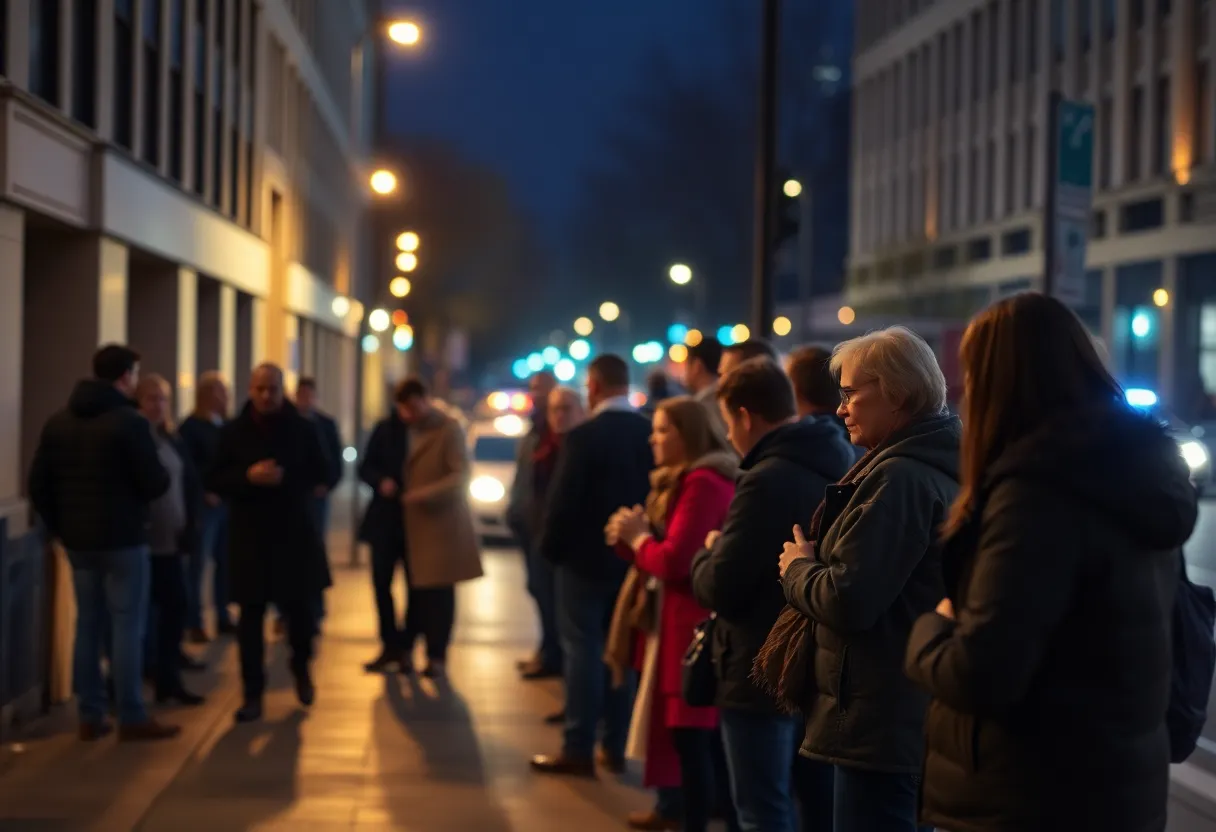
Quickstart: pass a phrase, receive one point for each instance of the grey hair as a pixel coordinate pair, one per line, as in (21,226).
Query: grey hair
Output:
(903,364)
(567,393)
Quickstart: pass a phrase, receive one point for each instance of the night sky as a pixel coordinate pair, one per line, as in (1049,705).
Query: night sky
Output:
(525,86)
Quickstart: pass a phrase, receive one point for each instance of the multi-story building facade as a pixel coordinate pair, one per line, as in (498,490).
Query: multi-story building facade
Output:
(949,169)
(188,177)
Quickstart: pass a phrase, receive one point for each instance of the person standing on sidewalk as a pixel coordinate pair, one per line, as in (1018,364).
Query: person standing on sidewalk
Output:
(536,450)
(331,442)
(383,529)
(94,475)
(200,432)
(268,466)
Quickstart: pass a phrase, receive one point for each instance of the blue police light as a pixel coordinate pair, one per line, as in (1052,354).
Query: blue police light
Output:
(676,333)
(726,335)
(1140,397)
(551,355)
(564,370)
(520,369)
(580,350)
(536,362)
(1142,324)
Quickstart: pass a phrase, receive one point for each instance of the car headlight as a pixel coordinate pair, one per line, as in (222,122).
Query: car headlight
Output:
(1194,453)
(487,490)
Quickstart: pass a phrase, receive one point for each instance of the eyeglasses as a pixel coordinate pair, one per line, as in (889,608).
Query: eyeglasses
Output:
(847,393)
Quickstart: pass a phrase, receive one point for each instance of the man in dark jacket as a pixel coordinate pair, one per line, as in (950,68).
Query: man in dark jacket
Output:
(200,433)
(94,475)
(605,464)
(331,443)
(523,514)
(787,464)
(268,466)
(383,529)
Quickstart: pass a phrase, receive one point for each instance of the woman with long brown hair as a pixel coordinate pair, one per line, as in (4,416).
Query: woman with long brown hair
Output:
(1049,659)
(691,489)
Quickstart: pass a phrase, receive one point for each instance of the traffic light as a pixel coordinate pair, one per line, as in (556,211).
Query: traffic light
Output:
(786,217)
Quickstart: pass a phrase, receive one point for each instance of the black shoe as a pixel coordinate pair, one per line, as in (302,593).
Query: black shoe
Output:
(434,669)
(181,696)
(249,712)
(386,662)
(306,692)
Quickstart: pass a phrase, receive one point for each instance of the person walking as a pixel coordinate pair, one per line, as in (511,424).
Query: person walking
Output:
(173,536)
(94,476)
(604,464)
(1049,657)
(860,576)
(331,443)
(383,529)
(268,466)
(525,502)
(788,463)
(200,433)
(691,488)
(441,543)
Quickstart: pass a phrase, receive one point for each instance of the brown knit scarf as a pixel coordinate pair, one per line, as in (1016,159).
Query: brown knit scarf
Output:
(785,665)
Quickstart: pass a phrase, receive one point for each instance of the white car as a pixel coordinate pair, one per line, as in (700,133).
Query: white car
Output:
(492,448)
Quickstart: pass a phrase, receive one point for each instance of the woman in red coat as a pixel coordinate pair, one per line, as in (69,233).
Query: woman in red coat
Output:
(691,489)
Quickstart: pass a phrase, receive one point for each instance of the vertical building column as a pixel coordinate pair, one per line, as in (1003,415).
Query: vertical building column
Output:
(187,339)
(166,79)
(1166,381)
(291,364)
(1122,83)
(112,297)
(259,311)
(1151,71)
(228,332)
(12,306)
(209,104)
(226,199)
(140,79)
(17,43)
(189,116)
(67,53)
(1183,117)
(104,79)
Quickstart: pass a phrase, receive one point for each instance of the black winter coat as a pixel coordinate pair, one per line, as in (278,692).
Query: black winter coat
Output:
(384,458)
(96,471)
(275,552)
(781,482)
(877,570)
(201,438)
(1050,689)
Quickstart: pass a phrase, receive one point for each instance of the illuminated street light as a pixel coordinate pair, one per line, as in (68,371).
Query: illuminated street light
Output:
(676,333)
(584,326)
(400,318)
(408,241)
(609,311)
(792,188)
(536,362)
(846,315)
(340,306)
(1161,297)
(371,343)
(399,286)
(580,350)
(551,355)
(782,326)
(726,335)
(383,182)
(405,33)
(520,369)
(740,333)
(564,370)
(403,337)
(678,353)
(407,261)
(693,338)
(379,320)
(680,274)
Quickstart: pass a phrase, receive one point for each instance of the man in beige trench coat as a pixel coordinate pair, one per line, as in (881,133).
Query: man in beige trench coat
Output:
(441,545)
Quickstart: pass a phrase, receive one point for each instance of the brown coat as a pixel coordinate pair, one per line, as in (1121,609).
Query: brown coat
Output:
(441,545)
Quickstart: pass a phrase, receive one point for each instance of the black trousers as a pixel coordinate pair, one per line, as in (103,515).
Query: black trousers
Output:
(168,598)
(430,613)
(695,747)
(387,553)
(300,616)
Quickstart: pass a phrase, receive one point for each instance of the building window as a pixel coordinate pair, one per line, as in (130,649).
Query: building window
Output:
(1058,29)
(1085,24)
(1011,171)
(956,193)
(990,182)
(973,186)
(1032,28)
(977,55)
(1105,138)
(1015,41)
(979,250)
(219,59)
(1137,13)
(959,68)
(1016,242)
(84,62)
(943,74)
(44,50)
(151,47)
(200,97)
(1203,114)
(177,39)
(994,47)
(1133,134)
(1161,128)
(1029,173)
(1145,215)
(124,73)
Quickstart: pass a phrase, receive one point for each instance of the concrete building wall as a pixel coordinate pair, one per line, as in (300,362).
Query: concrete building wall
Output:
(949,167)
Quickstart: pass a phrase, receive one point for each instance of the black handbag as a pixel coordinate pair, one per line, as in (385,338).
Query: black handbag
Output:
(698,679)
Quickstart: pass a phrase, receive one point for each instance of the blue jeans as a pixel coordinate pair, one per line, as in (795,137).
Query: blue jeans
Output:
(760,749)
(875,801)
(110,587)
(213,544)
(584,612)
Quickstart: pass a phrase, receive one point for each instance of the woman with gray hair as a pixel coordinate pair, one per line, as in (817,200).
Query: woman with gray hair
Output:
(867,568)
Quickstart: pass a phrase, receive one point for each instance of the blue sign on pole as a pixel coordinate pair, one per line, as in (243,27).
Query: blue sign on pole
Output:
(1070,196)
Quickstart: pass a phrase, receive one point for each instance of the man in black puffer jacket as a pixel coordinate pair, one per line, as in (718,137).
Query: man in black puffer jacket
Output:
(787,464)
(95,473)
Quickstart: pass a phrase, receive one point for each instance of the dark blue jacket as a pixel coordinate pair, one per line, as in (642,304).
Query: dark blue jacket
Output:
(384,458)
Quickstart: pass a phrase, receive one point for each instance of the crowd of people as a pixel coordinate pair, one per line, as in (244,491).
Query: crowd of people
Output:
(817,586)
(809,588)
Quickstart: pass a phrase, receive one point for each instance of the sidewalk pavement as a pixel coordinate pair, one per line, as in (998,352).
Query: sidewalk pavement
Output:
(374,752)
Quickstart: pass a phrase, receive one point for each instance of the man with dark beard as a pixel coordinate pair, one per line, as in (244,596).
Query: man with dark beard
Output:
(268,467)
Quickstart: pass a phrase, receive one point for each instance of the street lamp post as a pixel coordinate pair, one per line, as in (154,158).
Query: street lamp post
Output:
(766,152)
(682,275)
